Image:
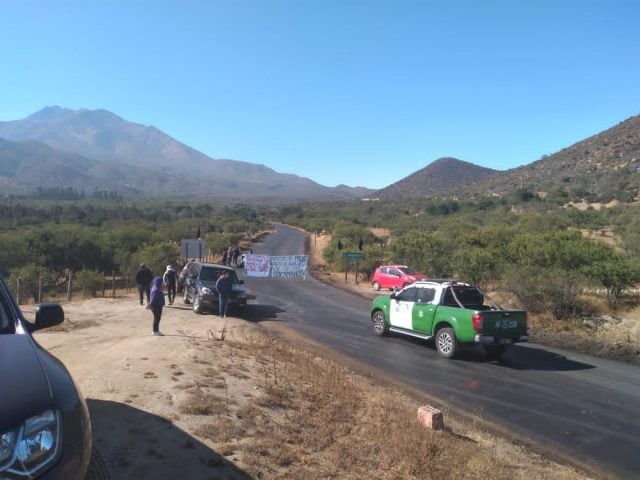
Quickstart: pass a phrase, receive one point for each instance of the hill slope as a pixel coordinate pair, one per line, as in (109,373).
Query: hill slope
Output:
(442,175)
(600,168)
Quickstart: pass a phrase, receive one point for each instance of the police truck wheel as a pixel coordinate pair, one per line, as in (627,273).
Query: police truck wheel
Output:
(446,342)
(379,323)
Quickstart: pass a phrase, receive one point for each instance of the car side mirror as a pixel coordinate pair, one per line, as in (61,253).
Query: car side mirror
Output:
(48,315)
(393,295)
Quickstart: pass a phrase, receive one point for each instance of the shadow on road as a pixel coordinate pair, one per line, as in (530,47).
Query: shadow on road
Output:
(141,445)
(532,358)
(516,357)
(257,313)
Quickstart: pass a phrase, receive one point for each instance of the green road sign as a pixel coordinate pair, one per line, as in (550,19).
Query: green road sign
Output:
(352,255)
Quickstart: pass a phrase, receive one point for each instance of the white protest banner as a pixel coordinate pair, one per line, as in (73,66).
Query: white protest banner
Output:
(290,266)
(256,265)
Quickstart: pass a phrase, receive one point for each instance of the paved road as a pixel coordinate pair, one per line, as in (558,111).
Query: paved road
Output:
(585,407)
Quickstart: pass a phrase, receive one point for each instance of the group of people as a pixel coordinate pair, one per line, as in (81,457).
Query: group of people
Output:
(230,256)
(152,287)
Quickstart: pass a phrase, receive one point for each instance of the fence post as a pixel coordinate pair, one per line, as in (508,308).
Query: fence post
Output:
(39,289)
(113,284)
(69,286)
(126,281)
(104,280)
(18,291)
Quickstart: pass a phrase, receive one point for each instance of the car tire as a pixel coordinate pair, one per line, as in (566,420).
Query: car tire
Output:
(376,286)
(197,306)
(446,342)
(98,469)
(379,323)
(185,297)
(494,352)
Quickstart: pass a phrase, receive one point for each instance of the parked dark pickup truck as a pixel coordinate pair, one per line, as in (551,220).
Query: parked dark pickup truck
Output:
(454,313)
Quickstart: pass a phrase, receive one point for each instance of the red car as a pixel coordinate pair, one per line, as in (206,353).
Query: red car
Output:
(394,276)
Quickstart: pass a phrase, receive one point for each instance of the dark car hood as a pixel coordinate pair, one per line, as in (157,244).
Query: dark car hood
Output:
(24,386)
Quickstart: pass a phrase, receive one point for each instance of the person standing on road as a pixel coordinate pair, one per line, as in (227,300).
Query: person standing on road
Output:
(224,287)
(170,279)
(183,276)
(155,305)
(143,279)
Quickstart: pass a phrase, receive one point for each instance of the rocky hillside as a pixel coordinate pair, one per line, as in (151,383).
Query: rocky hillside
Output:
(601,168)
(440,176)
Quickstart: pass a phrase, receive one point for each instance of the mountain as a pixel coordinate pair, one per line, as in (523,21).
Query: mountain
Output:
(29,164)
(137,158)
(600,168)
(442,175)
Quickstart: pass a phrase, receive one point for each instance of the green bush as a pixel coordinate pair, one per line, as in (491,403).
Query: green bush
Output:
(88,281)
(34,280)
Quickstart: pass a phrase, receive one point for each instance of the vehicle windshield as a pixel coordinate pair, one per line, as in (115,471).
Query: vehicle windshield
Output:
(210,274)
(408,270)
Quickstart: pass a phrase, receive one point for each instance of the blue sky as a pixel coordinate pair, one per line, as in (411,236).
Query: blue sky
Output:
(340,91)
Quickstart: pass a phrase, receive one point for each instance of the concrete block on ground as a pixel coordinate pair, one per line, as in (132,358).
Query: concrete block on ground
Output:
(431,417)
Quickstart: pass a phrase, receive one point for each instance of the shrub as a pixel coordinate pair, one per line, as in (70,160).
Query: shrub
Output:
(88,281)
(34,281)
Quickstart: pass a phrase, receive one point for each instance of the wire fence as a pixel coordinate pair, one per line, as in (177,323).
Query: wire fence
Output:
(74,286)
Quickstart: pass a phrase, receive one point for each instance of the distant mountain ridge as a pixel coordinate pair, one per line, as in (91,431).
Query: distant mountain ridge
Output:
(150,162)
(442,175)
(96,149)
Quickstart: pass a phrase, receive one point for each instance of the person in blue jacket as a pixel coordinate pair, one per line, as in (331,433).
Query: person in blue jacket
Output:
(224,286)
(156,302)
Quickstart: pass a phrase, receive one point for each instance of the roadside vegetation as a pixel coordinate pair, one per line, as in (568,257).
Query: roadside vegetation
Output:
(571,267)
(42,241)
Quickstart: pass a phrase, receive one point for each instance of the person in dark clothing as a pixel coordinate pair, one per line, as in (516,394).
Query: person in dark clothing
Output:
(224,257)
(170,279)
(235,254)
(224,286)
(143,279)
(155,304)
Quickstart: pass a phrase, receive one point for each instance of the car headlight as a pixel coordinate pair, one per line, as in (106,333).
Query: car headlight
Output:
(206,291)
(32,446)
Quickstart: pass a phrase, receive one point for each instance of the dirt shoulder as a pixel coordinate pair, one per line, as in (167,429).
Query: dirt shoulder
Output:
(224,398)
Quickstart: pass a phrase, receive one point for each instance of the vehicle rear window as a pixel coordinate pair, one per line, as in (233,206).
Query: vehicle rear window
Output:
(408,271)
(470,297)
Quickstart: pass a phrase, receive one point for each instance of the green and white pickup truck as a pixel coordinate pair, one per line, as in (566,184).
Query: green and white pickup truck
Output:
(454,313)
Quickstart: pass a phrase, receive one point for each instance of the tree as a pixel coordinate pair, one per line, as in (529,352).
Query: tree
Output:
(427,253)
(477,264)
(616,275)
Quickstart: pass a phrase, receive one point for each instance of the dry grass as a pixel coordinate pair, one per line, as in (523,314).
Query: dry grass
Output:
(309,417)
